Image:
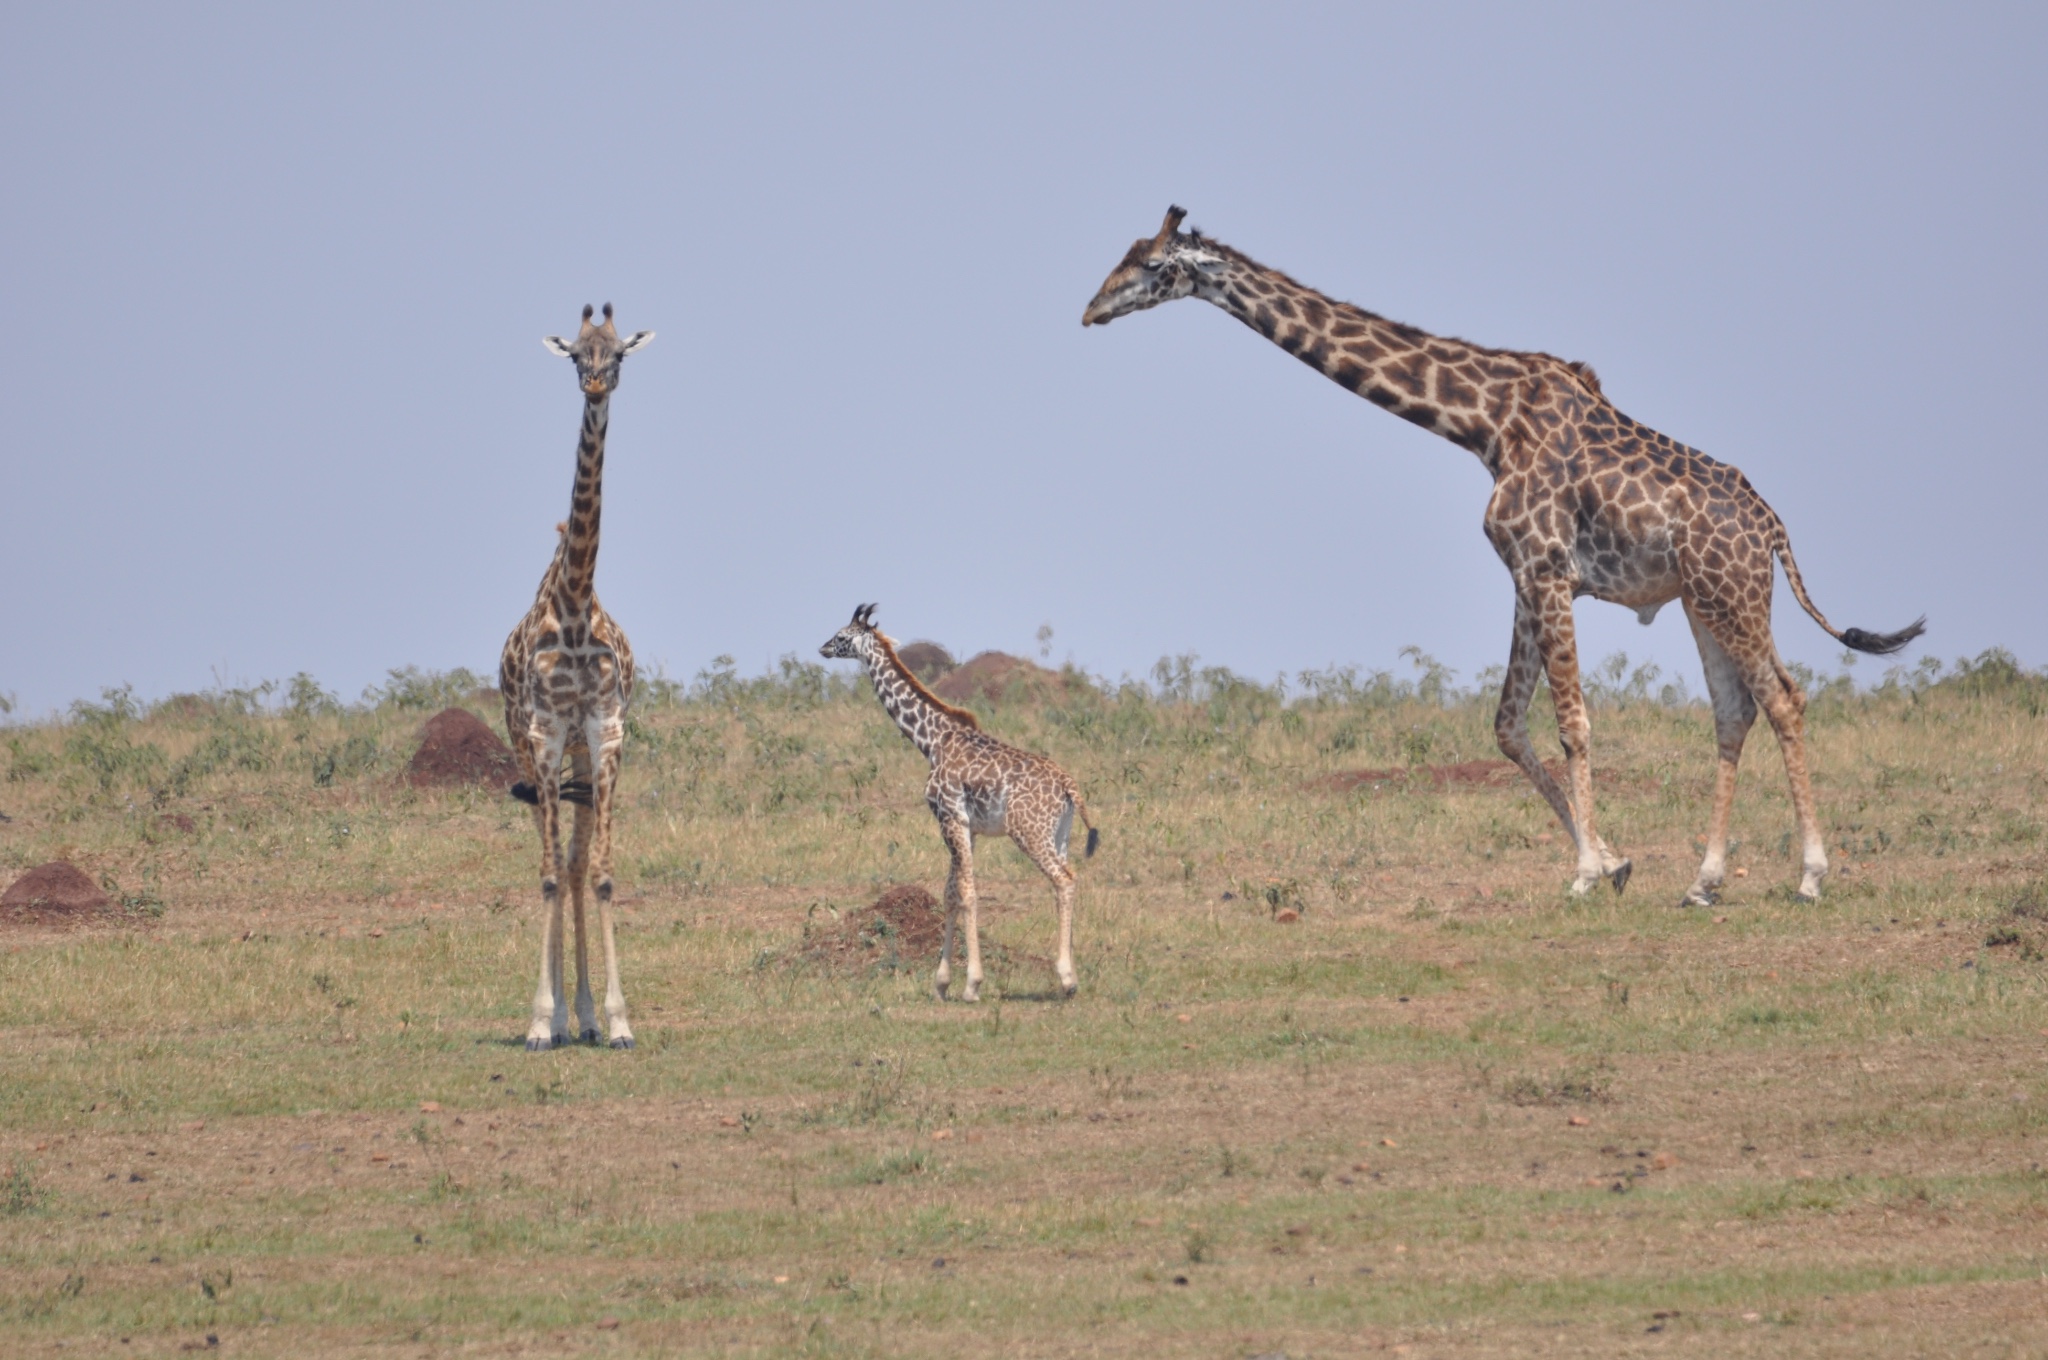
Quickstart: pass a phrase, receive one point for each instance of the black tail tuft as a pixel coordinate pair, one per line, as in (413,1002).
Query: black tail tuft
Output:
(1883,644)
(1094,839)
(571,791)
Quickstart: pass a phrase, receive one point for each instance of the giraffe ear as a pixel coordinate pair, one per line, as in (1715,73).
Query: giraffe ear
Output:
(556,345)
(637,340)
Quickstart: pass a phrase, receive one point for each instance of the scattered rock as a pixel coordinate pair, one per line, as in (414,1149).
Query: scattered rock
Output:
(457,748)
(1286,916)
(1663,1161)
(996,676)
(430,1107)
(57,893)
(1578,1121)
(927,660)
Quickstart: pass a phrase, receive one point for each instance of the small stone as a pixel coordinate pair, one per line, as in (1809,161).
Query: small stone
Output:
(782,1279)
(1742,873)
(726,1121)
(942,1135)
(1360,1167)
(974,1137)
(1720,920)
(607,1324)
(1578,1121)
(1663,1161)
(1184,1019)
(430,1107)
(1388,1142)
(1286,916)
(377,933)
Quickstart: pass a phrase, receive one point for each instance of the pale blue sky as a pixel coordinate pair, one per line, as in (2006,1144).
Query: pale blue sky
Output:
(273,396)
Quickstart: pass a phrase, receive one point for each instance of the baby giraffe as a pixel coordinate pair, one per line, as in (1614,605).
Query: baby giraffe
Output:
(979,786)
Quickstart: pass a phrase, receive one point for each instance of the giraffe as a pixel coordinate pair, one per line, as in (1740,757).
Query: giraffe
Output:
(567,675)
(978,786)
(1585,502)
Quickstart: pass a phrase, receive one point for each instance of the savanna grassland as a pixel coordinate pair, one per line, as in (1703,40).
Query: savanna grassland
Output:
(275,1103)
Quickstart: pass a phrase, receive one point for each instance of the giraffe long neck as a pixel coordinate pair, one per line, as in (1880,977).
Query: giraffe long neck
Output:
(576,559)
(1448,387)
(921,720)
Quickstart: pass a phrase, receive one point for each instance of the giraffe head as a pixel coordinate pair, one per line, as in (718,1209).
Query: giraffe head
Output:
(597,352)
(1155,269)
(856,641)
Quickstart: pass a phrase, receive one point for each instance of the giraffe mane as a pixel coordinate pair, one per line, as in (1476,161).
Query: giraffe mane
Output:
(1583,372)
(909,677)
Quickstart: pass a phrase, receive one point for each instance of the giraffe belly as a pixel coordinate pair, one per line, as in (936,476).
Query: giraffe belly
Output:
(1642,577)
(988,812)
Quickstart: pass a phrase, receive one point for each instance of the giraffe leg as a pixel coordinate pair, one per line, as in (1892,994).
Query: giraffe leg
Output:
(1048,852)
(1511,720)
(1782,701)
(970,906)
(602,792)
(579,868)
(1557,641)
(960,846)
(1734,712)
(550,1021)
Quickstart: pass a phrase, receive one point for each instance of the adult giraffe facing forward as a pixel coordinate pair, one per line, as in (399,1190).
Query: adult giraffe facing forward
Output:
(567,676)
(1585,502)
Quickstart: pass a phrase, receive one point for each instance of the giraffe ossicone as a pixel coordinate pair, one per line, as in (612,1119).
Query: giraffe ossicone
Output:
(566,676)
(1585,502)
(978,786)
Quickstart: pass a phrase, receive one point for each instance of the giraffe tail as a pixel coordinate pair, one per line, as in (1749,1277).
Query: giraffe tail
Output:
(1857,639)
(1094,836)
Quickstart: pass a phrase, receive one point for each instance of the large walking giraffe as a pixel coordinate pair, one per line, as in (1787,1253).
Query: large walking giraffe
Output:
(978,786)
(1585,502)
(567,676)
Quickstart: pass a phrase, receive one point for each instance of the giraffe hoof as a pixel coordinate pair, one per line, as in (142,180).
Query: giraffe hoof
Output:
(1619,878)
(589,1036)
(623,1041)
(1700,897)
(939,989)
(539,1045)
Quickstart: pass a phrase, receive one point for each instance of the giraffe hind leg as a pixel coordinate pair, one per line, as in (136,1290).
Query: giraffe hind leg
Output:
(1734,713)
(1049,853)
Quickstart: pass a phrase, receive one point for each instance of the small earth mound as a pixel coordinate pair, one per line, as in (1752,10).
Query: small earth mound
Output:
(56,893)
(900,930)
(996,676)
(457,748)
(927,660)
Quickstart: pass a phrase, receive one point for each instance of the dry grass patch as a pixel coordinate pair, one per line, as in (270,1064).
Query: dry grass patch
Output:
(1447,1108)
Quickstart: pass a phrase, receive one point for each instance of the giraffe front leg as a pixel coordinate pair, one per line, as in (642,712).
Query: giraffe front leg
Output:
(619,1031)
(959,892)
(550,1020)
(579,865)
(1557,641)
